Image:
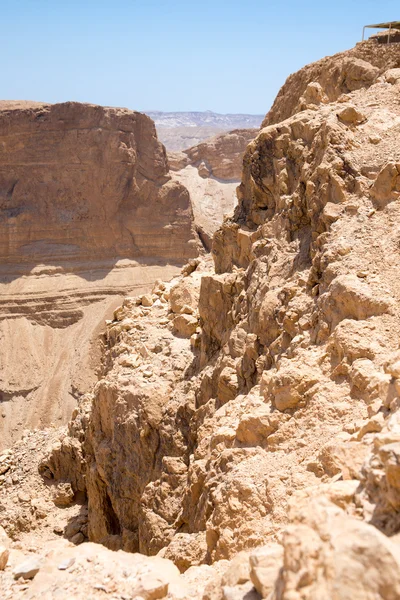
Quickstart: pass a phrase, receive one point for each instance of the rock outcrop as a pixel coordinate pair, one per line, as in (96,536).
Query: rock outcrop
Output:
(286,386)
(83,182)
(220,157)
(327,79)
(211,172)
(247,419)
(88,213)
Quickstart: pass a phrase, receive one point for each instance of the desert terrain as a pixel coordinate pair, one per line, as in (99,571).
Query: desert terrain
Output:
(242,438)
(182,130)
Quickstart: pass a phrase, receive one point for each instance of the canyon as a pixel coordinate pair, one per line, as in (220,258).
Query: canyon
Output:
(182,130)
(242,438)
(88,214)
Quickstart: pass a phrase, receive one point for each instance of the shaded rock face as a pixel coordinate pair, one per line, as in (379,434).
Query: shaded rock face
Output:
(80,181)
(278,418)
(88,213)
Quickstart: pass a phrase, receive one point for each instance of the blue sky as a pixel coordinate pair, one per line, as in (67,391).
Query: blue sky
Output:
(225,56)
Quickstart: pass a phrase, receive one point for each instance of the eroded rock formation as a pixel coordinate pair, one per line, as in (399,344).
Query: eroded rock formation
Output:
(88,213)
(247,421)
(211,172)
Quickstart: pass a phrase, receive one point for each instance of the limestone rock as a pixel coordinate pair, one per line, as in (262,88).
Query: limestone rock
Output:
(361,562)
(63,494)
(351,116)
(335,75)
(221,156)
(87,192)
(185,325)
(28,569)
(4,554)
(265,564)
(387,185)
(184,295)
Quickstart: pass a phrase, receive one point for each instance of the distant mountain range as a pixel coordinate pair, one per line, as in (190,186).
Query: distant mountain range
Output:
(207,118)
(181,130)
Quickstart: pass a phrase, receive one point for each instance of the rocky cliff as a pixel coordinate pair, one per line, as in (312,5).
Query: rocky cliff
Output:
(81,181)
(246,424)
(211,172)
(88,213)
(328,78)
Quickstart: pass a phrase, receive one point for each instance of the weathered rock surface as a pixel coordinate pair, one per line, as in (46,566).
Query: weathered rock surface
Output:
(220,157)
(261,455)
(211,172)
(329,78)
(181,130)
(88,213)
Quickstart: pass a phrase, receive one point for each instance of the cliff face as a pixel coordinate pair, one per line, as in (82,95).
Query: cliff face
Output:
(288,387)
(88,213)
(211,171)
(81,181)
(249,410)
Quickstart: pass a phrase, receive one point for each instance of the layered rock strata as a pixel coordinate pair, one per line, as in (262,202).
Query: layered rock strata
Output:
(332,76)
(250,412)
(211,172)
(88,213)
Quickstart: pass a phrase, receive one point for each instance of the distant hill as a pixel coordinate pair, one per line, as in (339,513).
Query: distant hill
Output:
(207,118)
(182,130)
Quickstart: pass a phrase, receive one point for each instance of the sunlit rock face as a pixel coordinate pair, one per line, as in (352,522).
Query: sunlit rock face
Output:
(80,181)
(88,213)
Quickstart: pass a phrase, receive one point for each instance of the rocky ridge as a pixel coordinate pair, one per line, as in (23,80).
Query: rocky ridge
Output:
(247,418)
(179,131)
(211,172)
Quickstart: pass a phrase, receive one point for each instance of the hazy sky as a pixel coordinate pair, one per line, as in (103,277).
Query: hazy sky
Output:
(175,55)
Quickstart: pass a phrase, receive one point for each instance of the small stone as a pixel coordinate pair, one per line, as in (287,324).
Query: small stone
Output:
(58,530)
(147,300)
(5,455)
(4,468)
(265,564)
(78,538)
(28,569)
(63,495)
(351,116)
(66,564)
(151,588)
(147,373)
(185,325)
(24,497)
(394,369)
(4,554)
(374,139)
